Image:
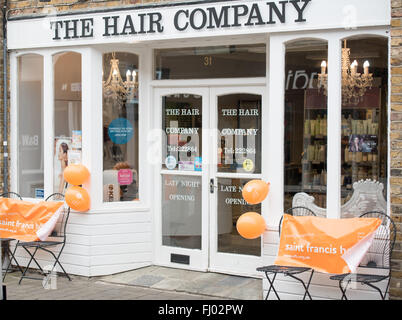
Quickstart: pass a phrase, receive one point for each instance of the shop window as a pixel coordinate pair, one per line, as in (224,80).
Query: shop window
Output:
(182,123)
(305,121)
(364,112)
(239,124)
(120,127)
(231,206)
(181,218)
(30,126)
(234,61)
(67,115)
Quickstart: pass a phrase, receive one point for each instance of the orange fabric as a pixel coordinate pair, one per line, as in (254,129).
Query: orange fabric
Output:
(27,221)
(327,245)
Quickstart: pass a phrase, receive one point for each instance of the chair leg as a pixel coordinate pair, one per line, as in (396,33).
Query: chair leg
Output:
(306,287)
(29,263)
(57,261)
(378,289)
(271,286)
(33,257)
(12,254)
(8,265)
(343,289)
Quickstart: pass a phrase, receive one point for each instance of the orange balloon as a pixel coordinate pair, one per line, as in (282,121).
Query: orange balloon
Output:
(76,174)
(255,191)
(78,198)
(251,225)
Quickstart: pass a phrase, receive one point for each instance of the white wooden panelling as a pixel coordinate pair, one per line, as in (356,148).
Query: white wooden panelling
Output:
(120,258)
(101,244)
(72,269)
(121,248)
(112,217)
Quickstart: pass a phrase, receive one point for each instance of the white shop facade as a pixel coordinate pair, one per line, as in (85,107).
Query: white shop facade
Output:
(174,107)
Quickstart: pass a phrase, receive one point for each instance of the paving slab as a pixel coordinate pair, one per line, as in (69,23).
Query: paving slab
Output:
(83,288)
(191,282)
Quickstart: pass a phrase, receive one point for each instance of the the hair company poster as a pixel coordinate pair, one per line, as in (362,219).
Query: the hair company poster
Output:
(62,147)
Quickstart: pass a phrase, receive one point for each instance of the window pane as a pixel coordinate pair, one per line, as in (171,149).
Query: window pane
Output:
(231,206)
(305,122)
(239,124)
(364,113)
(30,127)
(120,127)
(181,211)
(182,124)
(210,62)
(67,115)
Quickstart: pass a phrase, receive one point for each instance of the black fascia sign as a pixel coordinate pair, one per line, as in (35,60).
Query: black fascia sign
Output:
(227,16)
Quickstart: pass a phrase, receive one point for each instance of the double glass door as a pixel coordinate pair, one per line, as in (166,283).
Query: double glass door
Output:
(211,146)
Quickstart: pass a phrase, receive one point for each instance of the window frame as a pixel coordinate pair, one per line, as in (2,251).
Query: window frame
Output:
(277,111)
(91,120)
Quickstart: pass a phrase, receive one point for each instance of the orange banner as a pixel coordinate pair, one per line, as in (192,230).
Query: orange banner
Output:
(27,221)
(326,245)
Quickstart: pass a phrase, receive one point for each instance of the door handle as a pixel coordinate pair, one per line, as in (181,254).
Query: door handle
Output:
(212,186)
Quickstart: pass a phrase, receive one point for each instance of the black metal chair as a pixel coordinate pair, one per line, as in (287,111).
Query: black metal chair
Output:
(59,233)
(7,251)
(378,258)
(288,270)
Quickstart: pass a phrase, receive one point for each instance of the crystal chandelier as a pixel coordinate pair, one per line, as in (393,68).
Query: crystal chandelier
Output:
(116,89)
(354,84)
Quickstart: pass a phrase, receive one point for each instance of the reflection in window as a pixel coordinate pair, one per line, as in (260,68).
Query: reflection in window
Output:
(364,112)
(305,122)
(120,127)
(30,126)
(67,115)
(235,61)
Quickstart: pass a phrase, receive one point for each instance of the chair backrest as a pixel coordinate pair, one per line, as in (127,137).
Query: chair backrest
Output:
(11,194)
(297,211)
(60,228)
(380,251)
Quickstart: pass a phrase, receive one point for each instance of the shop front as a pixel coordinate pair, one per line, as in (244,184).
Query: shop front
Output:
(174,108)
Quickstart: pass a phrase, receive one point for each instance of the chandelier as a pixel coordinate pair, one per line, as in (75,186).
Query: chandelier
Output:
(354,84)
(116,89)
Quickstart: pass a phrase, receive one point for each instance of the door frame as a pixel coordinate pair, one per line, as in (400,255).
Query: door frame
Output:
(206,88)
(231,263)
(162,254)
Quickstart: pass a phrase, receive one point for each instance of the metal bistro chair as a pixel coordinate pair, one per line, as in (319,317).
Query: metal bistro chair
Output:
(288,270)
(7,241)
(59,233)
(378,257)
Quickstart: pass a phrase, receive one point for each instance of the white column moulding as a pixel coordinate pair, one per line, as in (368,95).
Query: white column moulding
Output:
(334,127)
(92,130)
(13,123)
(48,122)
(275,155)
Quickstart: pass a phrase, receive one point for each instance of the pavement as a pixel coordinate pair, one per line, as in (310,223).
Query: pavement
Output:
(150,283)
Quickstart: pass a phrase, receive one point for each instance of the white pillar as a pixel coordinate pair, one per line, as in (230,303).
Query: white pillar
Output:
(275,127)
(92,129)
(48,123)
(334,128)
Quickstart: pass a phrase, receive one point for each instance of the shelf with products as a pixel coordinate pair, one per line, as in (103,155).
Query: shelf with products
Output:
(361,140)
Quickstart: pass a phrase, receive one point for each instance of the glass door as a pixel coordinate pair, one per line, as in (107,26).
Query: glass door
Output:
(182,220)
(236,116)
